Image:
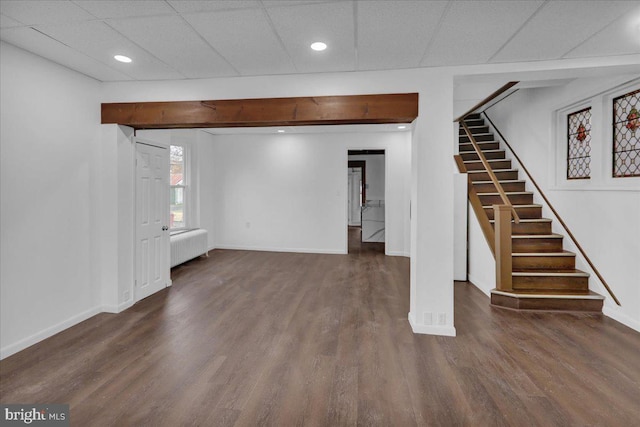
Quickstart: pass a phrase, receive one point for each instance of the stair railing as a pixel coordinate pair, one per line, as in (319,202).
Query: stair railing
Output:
(492,176)
(476,205)
(555,213)
(488,99)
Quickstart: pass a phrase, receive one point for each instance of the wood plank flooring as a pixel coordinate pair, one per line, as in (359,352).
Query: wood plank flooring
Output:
(277,339)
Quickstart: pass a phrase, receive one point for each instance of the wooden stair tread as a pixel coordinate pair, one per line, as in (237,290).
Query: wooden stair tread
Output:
(506,192)
(516,206)
(551,273)
(488,160)
(501,181)
(528,220)
(494,170)
(538,236)
(543,254)
(479,142)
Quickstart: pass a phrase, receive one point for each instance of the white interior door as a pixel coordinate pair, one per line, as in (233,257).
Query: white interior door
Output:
(152,219)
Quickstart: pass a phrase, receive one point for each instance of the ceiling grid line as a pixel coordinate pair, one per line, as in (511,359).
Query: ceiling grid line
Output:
(533,15)
(277,35)
(145,50)
(81,53)
(615,21)
(210,45)
(445,12)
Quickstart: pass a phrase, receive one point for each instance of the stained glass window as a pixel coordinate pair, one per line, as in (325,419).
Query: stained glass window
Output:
(579,144)
(626,136)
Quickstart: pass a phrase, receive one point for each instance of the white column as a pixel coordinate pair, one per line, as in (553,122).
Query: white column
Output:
(432,210)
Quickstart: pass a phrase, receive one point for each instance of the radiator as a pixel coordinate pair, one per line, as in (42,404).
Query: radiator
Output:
(188,245)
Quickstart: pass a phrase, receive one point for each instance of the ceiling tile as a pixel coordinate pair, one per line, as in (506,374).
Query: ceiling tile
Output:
(395,34)
(276,3)
(332,23)
(559,27)
(104,9)
(99,41)
(188,6)
(621,37)
(258,51)
(43,11)
(173,41)
(38,43)
(472,31)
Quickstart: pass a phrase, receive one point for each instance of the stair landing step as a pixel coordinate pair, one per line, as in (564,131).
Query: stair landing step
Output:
(549,294)
(585,302)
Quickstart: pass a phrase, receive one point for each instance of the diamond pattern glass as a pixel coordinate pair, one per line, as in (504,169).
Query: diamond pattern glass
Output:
(626,135)
(579,144)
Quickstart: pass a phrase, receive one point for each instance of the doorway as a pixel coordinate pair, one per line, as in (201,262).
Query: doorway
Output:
(152,219)
(366,194)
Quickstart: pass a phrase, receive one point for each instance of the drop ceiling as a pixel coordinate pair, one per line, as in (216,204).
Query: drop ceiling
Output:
(180,39)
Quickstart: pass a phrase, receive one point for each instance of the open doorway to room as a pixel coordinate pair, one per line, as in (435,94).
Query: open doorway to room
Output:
(366,196)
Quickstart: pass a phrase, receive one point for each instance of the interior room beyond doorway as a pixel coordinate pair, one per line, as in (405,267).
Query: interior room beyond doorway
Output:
(366,197)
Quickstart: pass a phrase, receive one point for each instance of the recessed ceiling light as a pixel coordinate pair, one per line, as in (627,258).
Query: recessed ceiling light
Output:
(402,127)
(318,46)
(280,130)
(122,58)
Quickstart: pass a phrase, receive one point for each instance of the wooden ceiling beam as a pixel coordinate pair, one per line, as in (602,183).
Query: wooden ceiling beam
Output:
(301,111)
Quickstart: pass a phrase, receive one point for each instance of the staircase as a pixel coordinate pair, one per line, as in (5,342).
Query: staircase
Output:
(544,276)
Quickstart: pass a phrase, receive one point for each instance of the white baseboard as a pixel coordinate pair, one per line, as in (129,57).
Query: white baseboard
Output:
(48,332)
(111,309)
(621,317)
(398,253)
(124,305)
(279,249)
(420,328)
(486,289)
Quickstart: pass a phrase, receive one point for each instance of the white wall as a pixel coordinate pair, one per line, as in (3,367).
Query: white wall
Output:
(48,142)
(375,174)
(602,213)
(288,192)
(481,263)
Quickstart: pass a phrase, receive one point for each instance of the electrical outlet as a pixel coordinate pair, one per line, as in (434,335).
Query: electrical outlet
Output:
(248,224)
(125,295)
(442,318)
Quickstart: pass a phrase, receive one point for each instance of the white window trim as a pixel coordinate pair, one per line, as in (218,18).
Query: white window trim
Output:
(601,145)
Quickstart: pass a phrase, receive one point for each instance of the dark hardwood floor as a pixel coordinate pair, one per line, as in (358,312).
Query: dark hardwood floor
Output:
(258,338)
